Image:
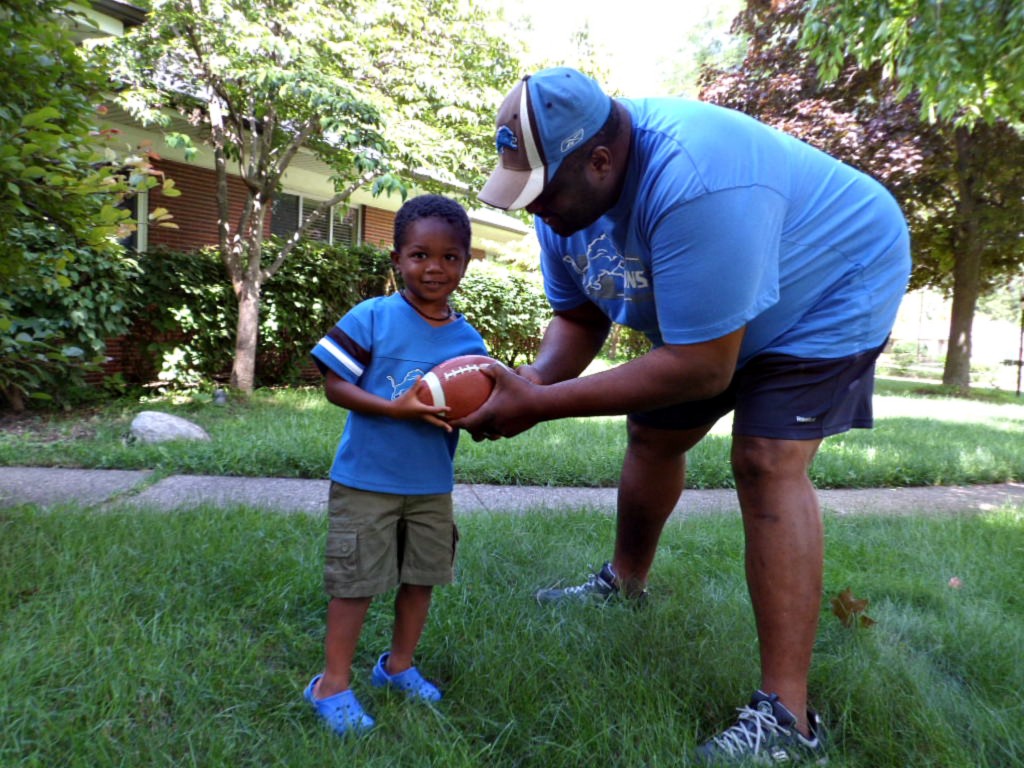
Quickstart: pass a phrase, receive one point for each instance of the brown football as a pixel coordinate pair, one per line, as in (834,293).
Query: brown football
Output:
(458,383)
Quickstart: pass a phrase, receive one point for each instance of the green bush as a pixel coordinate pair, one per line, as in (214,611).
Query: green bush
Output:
(191,312)
(625,343)
(63,278)
(317,286)
(186,323)
(37,366)
(509,310)
(53,337)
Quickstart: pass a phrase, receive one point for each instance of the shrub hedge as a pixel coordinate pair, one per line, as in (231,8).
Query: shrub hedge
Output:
(173,316)
(187,320)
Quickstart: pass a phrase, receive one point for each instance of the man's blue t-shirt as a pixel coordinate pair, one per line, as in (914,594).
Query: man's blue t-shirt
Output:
(383,346)
(724,222)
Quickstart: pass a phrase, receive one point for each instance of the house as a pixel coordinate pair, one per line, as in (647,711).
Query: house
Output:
(363,218)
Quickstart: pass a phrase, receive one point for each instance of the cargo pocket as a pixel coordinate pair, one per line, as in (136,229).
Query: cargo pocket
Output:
(342,556)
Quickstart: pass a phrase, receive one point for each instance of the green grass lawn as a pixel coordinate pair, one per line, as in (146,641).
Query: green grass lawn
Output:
(163,639)
(922,436)
(156,639)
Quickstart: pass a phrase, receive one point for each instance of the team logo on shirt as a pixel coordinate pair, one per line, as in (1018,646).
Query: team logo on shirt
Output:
(604,272)
(399,388)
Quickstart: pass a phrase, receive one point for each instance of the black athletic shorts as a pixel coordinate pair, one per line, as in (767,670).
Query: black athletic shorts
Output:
(785,398)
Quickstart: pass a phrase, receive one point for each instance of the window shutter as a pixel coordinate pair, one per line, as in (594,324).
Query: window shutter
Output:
(284,215)
(343,226)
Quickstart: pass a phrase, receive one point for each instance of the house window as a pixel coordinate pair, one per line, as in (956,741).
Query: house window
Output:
(339,227)
(138,205)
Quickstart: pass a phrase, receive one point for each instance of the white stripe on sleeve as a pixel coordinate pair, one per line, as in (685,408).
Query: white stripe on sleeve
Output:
(327,344)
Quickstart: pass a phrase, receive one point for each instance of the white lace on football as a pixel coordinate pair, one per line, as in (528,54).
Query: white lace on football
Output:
(461,370)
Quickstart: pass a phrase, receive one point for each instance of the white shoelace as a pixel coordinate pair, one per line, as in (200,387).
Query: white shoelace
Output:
(594,581)
(750,732)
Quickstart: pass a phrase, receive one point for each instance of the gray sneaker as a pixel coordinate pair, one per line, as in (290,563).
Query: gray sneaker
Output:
(765,734)
(600,587)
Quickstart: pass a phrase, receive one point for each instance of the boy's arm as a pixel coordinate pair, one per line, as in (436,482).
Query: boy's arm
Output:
(347,395)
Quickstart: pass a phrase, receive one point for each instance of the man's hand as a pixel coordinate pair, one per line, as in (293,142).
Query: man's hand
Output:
(507,411)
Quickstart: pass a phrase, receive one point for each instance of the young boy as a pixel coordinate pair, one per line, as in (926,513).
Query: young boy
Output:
(390,507)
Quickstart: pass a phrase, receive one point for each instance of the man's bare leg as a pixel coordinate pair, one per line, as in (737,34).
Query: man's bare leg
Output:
(653,477)
(784,559)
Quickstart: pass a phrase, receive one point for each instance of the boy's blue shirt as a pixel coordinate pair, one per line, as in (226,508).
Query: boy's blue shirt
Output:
(383,346)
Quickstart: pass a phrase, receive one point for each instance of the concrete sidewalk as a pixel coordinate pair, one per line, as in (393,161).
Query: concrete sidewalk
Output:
(106,488)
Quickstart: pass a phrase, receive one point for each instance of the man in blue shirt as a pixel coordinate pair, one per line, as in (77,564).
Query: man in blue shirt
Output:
(767,276)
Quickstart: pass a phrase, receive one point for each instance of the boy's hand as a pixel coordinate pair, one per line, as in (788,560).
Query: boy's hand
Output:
(408,406)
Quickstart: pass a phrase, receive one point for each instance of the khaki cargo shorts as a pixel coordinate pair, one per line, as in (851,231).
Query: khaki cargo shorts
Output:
(376,541)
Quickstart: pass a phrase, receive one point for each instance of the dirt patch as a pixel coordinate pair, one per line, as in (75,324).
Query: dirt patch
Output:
(46,429)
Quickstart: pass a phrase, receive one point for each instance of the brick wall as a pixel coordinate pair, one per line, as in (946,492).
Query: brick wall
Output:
(195,210)
(129,355)
(378,227)
(379,230)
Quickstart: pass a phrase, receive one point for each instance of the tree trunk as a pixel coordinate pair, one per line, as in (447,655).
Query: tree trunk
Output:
(966,270)
(247,256)
(14,398)
(243,369)
(957,370)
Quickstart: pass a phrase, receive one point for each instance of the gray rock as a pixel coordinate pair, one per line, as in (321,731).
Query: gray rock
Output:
(156,427)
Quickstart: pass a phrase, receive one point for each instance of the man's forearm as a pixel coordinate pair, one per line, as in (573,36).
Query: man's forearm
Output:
(567,348)
(664,376)
(652,381)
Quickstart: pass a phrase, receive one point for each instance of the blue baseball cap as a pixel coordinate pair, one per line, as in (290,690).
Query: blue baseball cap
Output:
(542,120)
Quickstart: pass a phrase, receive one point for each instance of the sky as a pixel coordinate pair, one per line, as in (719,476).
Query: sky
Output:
(636,44)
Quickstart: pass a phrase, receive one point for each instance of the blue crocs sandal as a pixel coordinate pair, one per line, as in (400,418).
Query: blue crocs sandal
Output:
(342,711)
(410,681)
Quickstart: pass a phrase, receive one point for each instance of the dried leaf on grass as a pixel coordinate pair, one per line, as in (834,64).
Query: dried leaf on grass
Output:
(850,610)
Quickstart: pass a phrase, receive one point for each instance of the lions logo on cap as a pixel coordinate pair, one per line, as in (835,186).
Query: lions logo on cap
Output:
(506,139)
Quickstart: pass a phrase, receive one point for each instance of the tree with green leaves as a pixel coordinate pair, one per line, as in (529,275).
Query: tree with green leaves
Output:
(963,61)
(962,192)
(382,93)
(62,183)
(964,64)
